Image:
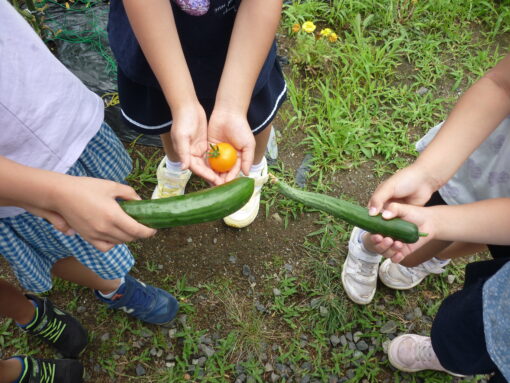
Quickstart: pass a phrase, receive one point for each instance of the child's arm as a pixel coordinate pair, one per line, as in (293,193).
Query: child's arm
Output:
(485,222)
(254,32)
(154,26)
(82,204)
(478,112)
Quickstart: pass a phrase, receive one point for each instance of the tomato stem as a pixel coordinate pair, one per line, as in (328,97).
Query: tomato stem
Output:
(214,152)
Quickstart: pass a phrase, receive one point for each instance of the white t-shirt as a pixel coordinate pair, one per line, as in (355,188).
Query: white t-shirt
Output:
(485,174)
(47,115)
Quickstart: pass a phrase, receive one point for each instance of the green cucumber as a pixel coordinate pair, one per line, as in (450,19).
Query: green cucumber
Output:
(198,207)
(356,215)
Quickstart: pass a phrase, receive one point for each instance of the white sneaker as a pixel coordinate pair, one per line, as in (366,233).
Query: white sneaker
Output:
(170,184)
(247,214)
(359,274)
(399,277)
(412,353)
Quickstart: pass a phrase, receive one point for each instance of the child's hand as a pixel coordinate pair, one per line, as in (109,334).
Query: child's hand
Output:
(233,128)
(189,138)
(88,207)
(396,250)
(411,185)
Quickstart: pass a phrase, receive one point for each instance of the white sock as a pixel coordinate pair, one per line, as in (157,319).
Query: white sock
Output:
(110,295)
(257,168)
(173,167)
(442,262)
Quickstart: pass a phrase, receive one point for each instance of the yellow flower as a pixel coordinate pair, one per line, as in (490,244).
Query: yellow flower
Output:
(326,32)
(333,37)
(296,28)
(308,26)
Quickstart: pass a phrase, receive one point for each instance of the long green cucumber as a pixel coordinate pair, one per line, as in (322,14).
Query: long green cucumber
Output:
(198,207)
(356,215)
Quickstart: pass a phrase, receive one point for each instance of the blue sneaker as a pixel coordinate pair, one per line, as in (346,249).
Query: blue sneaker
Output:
(145,302)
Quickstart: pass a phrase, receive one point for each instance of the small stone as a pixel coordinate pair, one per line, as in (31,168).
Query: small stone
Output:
(81,309)
(348,335)
(417,312)
(201,361)
(362,345)
(140,371)
(277,218)
(357,354)
(170,357)
(277,292)
(335,340)
(333,262)
(315,302)
(323,311)
(343,340)
(215,240)
(385,345)
(306,366)
(332,379)
(153,351)
(172,332)
(146,333)
(260,307)
(240,379)
(305,379)
(275,377)
(246,270)
(189,240)
(105,337)
(208,351)
(288,267)
(268,367)
(450,278)
(357,336)
(170,364)
(232,259)
(389,327)
(422,91)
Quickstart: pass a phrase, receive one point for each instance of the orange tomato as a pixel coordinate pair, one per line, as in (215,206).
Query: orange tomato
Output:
(222,157)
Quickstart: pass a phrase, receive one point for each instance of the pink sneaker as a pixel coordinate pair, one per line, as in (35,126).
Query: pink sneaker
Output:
(413,353)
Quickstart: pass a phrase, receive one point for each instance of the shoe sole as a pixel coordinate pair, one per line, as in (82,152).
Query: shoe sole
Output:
(351,297)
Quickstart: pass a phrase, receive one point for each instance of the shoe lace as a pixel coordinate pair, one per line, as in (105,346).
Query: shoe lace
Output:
(47,372)
(53,330)
(425,352)
(141,298)
(365,268)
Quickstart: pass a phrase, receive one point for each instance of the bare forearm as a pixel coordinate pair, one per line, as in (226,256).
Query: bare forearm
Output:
(479,111)
(485,222)
(24,186)
(154,26)
(254,32)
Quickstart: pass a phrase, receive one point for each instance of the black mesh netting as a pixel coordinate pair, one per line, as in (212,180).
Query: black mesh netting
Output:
(77,33)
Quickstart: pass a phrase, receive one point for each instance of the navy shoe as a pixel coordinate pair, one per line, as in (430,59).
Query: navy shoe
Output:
(145,302)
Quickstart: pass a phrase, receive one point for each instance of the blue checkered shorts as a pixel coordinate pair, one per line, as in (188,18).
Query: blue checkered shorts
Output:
(31,245)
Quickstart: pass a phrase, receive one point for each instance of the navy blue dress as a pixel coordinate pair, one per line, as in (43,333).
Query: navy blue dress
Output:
(204,41)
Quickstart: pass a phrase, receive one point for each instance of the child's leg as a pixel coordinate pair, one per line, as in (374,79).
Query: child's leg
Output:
(10,370)
(145,302)
(72,270)
(261,141)
(14,305)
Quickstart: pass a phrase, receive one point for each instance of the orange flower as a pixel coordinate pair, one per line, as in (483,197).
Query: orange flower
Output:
(296,27)
(333,37)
